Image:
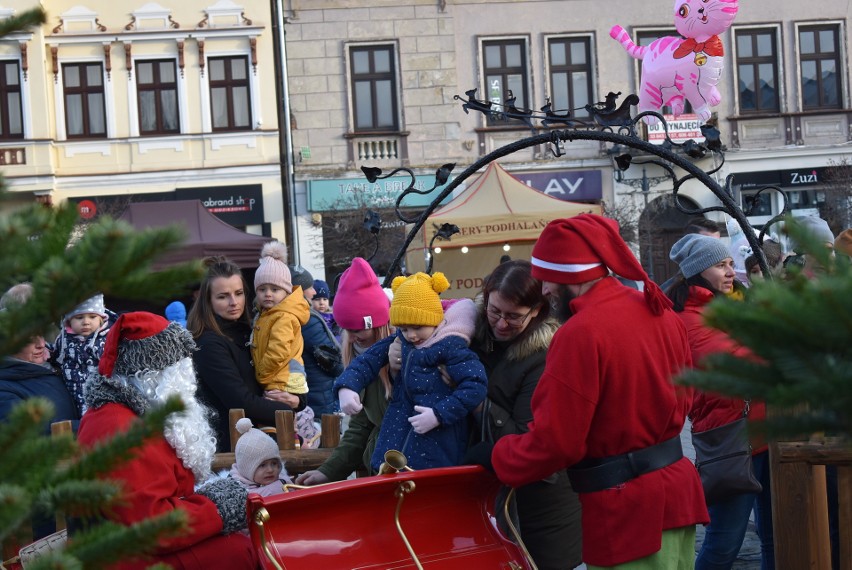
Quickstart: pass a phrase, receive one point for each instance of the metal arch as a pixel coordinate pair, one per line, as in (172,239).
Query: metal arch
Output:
(608,123)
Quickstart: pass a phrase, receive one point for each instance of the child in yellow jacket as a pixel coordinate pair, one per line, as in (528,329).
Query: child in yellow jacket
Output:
(276,342)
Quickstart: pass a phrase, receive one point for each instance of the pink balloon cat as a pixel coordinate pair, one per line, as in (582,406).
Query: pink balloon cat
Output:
(674,68)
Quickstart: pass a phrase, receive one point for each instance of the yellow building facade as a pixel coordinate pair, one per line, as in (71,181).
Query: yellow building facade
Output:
(112,102)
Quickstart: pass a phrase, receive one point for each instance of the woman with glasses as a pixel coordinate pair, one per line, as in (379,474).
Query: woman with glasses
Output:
(513,333)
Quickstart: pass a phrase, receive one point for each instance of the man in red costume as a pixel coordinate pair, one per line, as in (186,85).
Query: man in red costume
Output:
(146,359)
(606,407)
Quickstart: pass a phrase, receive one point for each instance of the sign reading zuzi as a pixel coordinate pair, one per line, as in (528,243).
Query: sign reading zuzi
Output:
(781,178)
(349,193)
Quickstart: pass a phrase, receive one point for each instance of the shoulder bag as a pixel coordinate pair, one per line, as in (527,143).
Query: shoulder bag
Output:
(723,460)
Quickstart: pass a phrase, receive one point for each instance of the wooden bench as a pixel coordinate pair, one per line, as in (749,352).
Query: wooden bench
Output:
(296,461)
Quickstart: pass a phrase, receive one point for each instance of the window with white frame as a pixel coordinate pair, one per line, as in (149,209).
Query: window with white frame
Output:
(570,62)
(757,70)
(506,73)
(83,90)
(157,95)
(819,65)
(11,114)
(230,96)
(372,72)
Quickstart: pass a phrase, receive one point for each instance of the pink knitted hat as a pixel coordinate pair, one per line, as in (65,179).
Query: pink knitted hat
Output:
(273,268)
(360,302)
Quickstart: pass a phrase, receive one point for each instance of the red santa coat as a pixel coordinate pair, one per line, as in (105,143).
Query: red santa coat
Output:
(711,410)
(607,390)
(155,482)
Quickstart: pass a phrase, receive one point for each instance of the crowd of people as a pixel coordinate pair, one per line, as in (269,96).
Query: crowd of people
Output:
(557,377)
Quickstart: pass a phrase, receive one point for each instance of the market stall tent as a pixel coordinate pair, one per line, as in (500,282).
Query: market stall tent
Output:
(205,233)
(497,215)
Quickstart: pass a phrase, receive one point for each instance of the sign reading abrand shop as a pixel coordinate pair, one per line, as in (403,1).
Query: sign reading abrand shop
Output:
(681,129)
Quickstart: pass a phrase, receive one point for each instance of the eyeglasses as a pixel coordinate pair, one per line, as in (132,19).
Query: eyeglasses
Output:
(513,320)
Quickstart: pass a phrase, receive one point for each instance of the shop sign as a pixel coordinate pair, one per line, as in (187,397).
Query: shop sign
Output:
(681,129)
(356,193)
(781,178)
(569,185)
(240,205)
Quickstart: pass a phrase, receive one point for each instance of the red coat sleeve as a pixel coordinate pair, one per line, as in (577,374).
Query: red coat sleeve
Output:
(155,480)
(552,443)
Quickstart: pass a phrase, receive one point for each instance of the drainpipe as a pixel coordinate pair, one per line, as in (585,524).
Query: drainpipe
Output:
(285,139)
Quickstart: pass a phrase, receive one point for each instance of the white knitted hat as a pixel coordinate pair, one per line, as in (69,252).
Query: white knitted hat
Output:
(253,448)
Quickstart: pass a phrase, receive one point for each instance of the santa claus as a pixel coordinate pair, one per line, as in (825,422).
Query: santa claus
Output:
(146,359)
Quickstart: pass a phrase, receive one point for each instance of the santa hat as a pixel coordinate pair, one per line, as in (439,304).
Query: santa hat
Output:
(273,268)
(416,301)
(586,247)
(360,303)
(144,341)
(93,305)
(253,448)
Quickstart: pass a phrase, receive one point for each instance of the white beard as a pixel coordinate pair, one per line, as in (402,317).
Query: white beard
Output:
(188,432)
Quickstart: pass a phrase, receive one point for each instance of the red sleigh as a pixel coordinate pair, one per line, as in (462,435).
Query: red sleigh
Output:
(436,518)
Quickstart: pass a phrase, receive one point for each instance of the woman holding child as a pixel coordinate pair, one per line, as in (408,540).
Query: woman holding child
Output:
(220,324)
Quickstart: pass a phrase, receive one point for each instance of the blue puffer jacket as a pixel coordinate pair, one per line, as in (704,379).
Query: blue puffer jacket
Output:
(321,395)
(422,385)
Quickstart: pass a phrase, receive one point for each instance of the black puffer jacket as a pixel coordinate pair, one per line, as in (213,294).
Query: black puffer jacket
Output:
(549,510)
(226,379)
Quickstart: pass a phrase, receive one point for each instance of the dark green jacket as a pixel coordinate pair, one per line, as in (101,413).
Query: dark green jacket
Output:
(359,440)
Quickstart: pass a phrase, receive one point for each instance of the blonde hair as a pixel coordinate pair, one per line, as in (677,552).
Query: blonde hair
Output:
(348,352)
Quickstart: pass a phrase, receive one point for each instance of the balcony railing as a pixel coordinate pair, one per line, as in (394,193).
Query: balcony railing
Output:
(383,149)
(13,156)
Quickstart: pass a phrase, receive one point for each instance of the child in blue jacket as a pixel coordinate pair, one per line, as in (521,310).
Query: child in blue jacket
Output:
(427,416)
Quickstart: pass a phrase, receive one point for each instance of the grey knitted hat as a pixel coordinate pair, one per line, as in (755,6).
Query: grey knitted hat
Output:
(817,227)
(253,448)
(694,253)
(301,277)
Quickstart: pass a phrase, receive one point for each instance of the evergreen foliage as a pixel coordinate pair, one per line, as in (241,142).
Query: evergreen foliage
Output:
(800,328)
(41,475)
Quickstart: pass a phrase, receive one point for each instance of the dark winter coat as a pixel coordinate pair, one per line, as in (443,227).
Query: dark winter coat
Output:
(226,379)
(321,395)
(21,380)
(75,355)
(421,384)
(549,510)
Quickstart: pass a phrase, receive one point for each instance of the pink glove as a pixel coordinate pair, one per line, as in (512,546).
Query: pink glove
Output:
(424,421)
(350,401)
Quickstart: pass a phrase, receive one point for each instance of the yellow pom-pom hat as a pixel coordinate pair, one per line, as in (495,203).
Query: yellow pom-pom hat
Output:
(415,300)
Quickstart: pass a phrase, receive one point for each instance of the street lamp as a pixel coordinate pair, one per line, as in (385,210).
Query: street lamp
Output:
(373,224)
(444,232)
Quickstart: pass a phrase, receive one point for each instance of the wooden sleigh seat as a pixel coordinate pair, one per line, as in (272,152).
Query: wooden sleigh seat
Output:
(296,461)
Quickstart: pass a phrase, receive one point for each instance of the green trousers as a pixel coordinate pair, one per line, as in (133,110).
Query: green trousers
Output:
(677,553)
